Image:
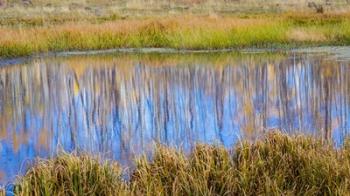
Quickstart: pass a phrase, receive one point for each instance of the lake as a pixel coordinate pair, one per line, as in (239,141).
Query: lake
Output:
(119,105)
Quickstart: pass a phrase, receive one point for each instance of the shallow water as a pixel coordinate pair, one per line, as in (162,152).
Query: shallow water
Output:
(119,105)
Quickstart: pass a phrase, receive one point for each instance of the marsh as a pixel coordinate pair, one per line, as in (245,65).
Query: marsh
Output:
(120,105)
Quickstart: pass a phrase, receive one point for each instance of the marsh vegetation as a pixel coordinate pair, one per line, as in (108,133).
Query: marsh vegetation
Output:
(275,165)
(225,122)
(185,32)
(33,26)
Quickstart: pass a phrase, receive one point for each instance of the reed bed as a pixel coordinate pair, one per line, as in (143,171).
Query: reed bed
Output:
(275,165)
(185,32)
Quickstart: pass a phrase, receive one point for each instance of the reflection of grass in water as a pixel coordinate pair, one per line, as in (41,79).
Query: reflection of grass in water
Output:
(162,59)
(2,192)
(179,32)
(277,165)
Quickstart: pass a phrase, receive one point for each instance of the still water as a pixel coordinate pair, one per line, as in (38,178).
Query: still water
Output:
(119,105)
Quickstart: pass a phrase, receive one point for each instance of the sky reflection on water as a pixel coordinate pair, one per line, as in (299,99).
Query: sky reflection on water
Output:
(119,105)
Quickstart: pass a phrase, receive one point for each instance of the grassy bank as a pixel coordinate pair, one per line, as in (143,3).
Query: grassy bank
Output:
(275,165)
(185,32)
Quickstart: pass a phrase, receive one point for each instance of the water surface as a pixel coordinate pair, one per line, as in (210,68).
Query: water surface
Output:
(119,105)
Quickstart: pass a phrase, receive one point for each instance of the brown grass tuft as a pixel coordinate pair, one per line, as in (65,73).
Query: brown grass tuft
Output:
(302,35)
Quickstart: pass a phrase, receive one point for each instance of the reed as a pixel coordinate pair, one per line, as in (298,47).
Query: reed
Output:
(275,165)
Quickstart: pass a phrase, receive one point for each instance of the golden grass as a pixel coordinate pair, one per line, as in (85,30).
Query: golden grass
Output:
(72,175)
(181,32)
(276,165)
(302,35)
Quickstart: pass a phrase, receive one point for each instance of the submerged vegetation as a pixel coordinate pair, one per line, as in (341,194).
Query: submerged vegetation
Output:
(186,32)
(276,165)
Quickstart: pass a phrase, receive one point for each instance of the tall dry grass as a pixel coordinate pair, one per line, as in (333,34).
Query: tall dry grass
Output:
(187,32)
(276,165)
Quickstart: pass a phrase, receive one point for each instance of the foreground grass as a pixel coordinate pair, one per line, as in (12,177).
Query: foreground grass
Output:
(276,165)
(186,32)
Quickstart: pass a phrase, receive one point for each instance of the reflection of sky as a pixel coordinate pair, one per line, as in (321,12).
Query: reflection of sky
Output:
(120,115)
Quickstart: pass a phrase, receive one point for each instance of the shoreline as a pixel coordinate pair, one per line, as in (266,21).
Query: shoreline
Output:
(342,51)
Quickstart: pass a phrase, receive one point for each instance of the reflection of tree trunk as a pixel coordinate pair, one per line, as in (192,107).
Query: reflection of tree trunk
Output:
(346,98)
(328,100)
(219,100)
(265,95)
(284,96)
(298,91)
(139,109)
(73,119)
(339,103)
(166,108)
(248,110)
(191,100)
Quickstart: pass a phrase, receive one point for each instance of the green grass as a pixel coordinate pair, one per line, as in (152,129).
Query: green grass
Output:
(188,32)
(275,165)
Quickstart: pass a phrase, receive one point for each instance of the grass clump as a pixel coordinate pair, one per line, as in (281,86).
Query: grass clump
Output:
(71,175)
(276,165)
(285,165)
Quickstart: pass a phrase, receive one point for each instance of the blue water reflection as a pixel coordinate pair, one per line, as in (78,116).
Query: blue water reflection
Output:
(119,105)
